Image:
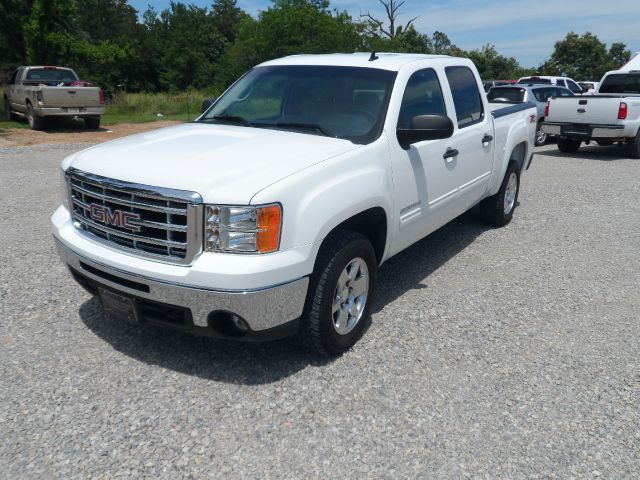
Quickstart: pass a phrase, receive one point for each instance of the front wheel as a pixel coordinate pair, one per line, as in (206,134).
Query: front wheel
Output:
(340,294)
(498,209)
(567,145)
(7,110)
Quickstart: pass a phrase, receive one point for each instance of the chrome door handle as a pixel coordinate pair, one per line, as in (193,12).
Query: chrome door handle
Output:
(450,154)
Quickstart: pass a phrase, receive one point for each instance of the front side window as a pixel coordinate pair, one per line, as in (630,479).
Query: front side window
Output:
(560,82)
(342,102)
(423,96)
(466,96)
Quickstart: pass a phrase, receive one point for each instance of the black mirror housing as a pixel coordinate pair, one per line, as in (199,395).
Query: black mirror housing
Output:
(206,103)
(425,127)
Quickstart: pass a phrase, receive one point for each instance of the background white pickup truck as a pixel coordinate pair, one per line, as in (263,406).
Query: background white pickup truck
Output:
(611,115)
(270,214)
(47,91)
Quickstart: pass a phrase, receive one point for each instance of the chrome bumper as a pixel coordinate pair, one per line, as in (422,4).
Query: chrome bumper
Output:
(262,309)
(585,131)
(69,112)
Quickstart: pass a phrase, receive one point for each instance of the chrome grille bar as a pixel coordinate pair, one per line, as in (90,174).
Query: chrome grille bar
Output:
(164,224)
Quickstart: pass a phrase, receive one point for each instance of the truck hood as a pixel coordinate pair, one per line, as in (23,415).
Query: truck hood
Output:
(223,163)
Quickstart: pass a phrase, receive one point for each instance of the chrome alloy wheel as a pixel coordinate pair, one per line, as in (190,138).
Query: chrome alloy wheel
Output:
(510,193)
(350,296)
(541,137)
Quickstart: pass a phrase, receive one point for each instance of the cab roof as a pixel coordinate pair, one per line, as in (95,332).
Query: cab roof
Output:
(385,61)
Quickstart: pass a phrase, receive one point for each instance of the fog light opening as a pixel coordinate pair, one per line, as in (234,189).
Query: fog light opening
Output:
(228,323)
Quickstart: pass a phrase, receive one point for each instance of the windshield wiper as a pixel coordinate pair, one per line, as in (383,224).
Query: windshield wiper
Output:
(230,118)
(306,126)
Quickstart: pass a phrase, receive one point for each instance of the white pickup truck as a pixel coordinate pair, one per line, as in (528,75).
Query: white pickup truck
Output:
(611,115)
(270,214)
(48,91)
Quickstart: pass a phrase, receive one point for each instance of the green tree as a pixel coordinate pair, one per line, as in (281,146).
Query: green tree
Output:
(492,65)
(581,57)
(289,27)
(619,54)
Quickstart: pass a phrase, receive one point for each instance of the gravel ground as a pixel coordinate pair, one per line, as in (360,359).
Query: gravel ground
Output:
(508,353)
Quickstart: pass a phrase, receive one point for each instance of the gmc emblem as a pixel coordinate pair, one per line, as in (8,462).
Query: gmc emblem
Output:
(116,218)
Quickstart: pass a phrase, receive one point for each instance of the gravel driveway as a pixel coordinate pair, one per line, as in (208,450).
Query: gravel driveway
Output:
(509,353)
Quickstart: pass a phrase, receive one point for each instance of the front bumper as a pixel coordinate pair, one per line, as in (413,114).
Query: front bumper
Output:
(583,130)
(264,309)
(69,112)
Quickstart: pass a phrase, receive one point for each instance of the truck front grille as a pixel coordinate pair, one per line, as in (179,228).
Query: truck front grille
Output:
(142,220)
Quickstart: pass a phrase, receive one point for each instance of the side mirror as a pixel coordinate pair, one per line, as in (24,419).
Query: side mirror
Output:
(206,103)
(425,127)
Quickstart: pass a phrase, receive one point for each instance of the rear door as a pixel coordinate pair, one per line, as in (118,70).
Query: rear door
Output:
(473,136)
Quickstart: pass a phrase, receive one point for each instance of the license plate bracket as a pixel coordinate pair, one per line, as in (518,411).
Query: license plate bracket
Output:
(116,305)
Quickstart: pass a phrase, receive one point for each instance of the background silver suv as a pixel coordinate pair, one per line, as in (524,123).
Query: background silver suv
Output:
(537,94)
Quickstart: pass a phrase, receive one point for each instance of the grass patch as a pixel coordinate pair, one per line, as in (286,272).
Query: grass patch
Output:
(139,108)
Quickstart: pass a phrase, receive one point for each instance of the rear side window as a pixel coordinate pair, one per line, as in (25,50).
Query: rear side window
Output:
(423,96)
(621,83)
(561,82)
(563,92)
(506,95)
(466,96)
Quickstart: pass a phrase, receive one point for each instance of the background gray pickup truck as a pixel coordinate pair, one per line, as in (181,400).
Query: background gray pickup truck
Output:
(39,92)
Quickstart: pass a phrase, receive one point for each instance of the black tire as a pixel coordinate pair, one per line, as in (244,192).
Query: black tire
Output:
(92,123)
(7,110)
(35,122)
(567,145)
(541,137)
(633,147)
(492,209)
(317,332)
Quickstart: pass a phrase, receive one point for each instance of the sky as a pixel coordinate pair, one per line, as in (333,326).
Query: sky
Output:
(524,29)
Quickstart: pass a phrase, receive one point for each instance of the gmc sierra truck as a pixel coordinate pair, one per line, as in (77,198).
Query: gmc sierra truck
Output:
(270,214)
(610,116)
(40,92)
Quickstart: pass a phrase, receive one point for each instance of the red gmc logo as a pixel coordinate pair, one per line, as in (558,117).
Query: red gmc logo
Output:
(117,218)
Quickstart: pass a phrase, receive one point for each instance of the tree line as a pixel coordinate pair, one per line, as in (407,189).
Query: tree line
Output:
(185,46)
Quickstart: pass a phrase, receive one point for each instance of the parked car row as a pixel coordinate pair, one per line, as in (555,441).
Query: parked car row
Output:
(537,94)
(611,115)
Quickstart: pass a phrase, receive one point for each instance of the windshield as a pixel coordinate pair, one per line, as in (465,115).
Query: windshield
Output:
(50,75)
(506,95)
(621,83)
(341,102)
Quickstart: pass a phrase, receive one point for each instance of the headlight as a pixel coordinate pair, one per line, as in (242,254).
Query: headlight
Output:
(242,229)
(63,190)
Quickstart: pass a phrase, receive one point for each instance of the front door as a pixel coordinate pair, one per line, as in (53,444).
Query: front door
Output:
(425,174)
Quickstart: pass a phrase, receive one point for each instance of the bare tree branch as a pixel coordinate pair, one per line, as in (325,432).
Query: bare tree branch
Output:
(392,10)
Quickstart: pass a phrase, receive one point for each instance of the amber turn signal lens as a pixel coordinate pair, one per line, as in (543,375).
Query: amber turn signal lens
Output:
(268,237)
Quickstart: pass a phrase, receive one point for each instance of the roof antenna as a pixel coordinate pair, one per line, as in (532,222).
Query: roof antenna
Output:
(373,57)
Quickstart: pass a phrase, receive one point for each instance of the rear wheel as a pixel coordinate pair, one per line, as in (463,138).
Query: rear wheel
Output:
(340,294)
(567,145)
(633,147)
(498,209)
(35,122)
(92,123)
(541,137)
